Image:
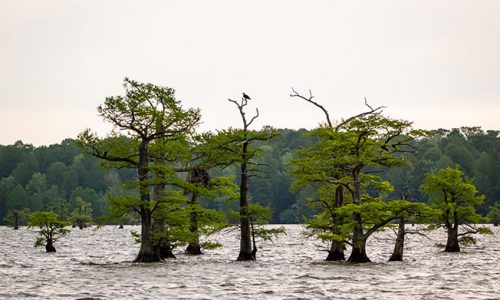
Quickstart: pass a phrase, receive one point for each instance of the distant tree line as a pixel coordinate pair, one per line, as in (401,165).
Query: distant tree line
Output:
(54,177)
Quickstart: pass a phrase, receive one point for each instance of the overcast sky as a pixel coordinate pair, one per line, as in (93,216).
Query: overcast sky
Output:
(436,63)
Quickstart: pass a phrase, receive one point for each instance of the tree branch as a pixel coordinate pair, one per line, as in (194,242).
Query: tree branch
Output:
(309,99)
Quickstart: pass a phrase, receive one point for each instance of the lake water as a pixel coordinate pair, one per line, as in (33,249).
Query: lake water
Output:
(95,263)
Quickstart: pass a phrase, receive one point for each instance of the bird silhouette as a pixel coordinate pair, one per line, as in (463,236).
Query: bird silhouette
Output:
(245,96)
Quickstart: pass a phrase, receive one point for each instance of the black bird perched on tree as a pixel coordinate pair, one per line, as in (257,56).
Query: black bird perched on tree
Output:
(245,96)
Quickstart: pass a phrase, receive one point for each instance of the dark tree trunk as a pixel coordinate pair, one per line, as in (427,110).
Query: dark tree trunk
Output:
(16,220)
(194,245)
(166,252)
(397,253)
(50,247)
(246,252)
(194,249)
(452,244)
(121,226)
(254,244)
(148,252)
(358,253)
(336,252)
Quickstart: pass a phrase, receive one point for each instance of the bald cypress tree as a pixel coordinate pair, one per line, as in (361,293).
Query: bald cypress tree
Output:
(144,114)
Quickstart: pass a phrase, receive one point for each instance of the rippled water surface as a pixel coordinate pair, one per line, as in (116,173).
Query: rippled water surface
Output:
(95,263)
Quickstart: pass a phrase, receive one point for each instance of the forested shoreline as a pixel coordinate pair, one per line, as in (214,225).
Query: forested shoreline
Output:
(54,177)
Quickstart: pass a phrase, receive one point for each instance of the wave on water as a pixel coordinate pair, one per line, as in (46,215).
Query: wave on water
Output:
(96,264)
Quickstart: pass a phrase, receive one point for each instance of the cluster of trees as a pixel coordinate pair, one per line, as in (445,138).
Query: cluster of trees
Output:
(58,178)
(345,179)
(342,167)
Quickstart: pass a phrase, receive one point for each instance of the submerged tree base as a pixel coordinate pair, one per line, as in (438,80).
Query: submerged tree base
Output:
(452,243)
(166,252)
(193,249)
(335,256)
(336,252)
(50,248)
(147,257)
(396,257)
(358,256)
(452,248)
(245,256)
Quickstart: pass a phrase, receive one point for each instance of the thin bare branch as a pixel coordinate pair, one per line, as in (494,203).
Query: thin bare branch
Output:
(309,99)
(254,117)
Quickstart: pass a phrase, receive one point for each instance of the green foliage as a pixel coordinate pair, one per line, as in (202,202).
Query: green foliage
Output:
(210,245)
(60,206)
(82,213)
(454,195)
(51,228)
(494,213)
(467,241)
(223,148)
(20,215)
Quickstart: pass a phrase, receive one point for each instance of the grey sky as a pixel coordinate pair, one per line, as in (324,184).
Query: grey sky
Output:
(432,62)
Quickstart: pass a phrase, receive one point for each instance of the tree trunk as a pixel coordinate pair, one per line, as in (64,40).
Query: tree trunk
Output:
(336,252)
(194,248)
(148,252)
(194,245)
(452,241)
(397,253)
(245,235)
(49,247)
(166,251)
(358,253)
(16,220)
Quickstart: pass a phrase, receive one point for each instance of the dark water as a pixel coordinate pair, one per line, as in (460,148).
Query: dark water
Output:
(95,263)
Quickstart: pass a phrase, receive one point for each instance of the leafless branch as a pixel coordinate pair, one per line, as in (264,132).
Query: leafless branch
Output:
(309,99)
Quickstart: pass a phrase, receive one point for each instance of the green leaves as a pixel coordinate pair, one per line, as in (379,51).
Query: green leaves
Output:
(50,227)
(454,194)
(148,110)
